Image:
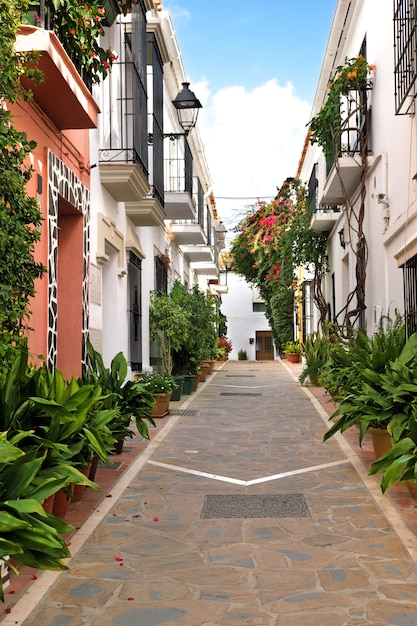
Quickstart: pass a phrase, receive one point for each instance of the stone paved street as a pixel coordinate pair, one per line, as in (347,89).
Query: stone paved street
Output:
(178,545)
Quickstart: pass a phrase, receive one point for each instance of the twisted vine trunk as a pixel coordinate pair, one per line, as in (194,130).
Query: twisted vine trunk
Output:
(355,215)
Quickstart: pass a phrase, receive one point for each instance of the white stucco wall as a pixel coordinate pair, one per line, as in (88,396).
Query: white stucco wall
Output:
(242,322)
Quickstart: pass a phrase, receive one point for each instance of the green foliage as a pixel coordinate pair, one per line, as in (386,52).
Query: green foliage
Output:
(79,26)
(292,347)
(170,326)
(316,353)
(242,355)
(27,534)
(155,382)
(271,242)
(20,217)
(326,127)
(124,397)
(378,385)
(204,318)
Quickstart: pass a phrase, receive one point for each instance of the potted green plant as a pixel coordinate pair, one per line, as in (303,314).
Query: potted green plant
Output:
(161,387)
(293,351)
(169,325)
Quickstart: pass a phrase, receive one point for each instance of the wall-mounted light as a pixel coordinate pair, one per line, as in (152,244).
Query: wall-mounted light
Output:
(342,239)
(187,106)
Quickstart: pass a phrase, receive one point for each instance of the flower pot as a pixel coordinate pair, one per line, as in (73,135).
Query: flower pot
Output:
(48,503)
(61,503)
(196,381)
(202,375)
(381,441)
(210,365)
(293,357)
(78,490)
(188,385)
(176,394)
(162,404)
(93,468)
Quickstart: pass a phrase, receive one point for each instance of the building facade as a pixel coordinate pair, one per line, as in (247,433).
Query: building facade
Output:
(125,190)
(373,267)
(247,326)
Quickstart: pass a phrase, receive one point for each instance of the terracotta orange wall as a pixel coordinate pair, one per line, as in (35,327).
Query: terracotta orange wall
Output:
(72,147)
(70,275)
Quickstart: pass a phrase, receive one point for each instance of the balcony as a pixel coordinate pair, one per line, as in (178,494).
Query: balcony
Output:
(146,212)
(62,96)
(126,182)
(179,198)
(188,233)
(202,268)
(343,180)
(344,173)
(123,154)
(198,254)
(324,218)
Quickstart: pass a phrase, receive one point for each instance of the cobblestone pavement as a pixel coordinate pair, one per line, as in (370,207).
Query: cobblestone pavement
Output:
(237,514)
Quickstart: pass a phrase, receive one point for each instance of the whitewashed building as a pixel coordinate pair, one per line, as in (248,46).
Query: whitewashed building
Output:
(384,32)
(247,326)
(153,216)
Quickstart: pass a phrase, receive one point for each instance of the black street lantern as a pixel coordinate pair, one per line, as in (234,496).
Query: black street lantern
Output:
(187,106)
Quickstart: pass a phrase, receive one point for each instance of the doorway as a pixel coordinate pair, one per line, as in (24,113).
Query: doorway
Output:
(264,345)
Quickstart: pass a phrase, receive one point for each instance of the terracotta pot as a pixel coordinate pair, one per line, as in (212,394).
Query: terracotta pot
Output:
(202,375)
(210,365)
(93,468)
(48,503)
(162,404)
(78,490)
(61,503)
(381,441)
(196,381)
(412,488)
(293,357)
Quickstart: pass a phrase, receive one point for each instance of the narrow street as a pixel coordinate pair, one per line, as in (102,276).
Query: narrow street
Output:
(237,514)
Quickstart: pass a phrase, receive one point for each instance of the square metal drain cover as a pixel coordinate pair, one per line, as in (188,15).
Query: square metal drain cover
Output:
(183,412)
(255,506)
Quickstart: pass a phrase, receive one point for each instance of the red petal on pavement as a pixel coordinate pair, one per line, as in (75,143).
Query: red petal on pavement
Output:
(156,519)
(131,598)
(118,558)
(109,495)
(34,577)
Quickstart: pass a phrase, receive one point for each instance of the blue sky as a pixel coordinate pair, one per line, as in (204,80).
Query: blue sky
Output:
(255,66)
(249,42)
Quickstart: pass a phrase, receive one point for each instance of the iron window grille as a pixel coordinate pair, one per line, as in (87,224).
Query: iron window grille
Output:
(405,45)
(410,295)
(124,107)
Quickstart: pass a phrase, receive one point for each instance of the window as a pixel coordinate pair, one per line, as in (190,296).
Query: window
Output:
(135,312)
(410,294)
(258,307)
(405,44)
(161,275)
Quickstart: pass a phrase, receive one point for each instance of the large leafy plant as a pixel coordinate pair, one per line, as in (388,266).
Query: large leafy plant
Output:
(126,398)
(28,534)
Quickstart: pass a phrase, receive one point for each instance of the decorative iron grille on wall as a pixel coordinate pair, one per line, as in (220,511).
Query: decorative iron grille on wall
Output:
(410,295)
(405,44)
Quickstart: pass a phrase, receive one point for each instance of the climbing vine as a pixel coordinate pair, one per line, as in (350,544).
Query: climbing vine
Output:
(19,214)
(342,126)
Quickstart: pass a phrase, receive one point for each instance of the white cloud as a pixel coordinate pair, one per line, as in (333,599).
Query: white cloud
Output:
(253,139)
